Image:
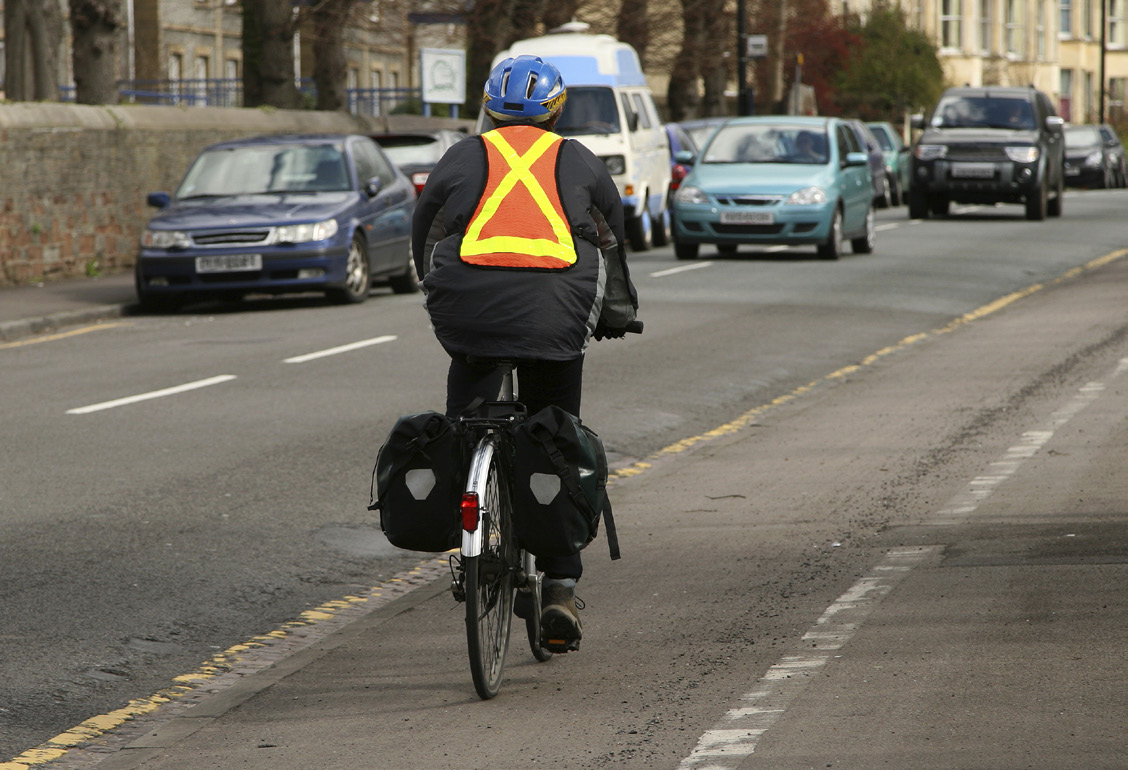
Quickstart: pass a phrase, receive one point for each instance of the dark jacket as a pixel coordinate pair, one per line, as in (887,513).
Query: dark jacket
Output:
(520,313)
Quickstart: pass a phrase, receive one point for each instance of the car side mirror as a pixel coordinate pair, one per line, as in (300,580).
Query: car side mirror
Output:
(685,157)
(917,121)
(373,187)
(158,200)
(856,159)
(1054,123)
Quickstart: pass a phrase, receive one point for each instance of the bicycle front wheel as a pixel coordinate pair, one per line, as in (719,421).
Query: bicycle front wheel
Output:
(490,582)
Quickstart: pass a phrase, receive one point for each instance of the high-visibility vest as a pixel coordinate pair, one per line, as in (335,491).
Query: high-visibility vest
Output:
(519,222)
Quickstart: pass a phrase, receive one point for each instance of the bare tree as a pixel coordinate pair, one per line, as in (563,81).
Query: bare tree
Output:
(719,35)
(560,12)
(488,30)
(97,27)
(634,27)
(328,20)
(524,18)
(682,95)
(32,33)
(268,54)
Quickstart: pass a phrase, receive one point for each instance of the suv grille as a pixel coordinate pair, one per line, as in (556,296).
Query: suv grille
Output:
(985,153)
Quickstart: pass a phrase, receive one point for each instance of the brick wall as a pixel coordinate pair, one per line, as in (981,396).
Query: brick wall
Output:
(73,178)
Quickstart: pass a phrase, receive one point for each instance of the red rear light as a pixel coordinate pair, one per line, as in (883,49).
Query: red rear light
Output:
(677,174)
(469,509)
(419,178)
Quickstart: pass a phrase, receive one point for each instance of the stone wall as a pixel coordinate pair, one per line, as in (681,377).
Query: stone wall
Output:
(73,178)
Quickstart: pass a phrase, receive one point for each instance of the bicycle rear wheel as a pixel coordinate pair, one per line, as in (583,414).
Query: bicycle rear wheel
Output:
(490,579)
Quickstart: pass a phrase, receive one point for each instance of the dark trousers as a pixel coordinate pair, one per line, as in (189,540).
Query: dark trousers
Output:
(540,384)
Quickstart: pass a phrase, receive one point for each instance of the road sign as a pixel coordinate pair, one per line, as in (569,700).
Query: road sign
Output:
(443,72)
(756,46)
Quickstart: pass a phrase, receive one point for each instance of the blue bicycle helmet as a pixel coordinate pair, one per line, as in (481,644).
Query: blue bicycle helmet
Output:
(524,88)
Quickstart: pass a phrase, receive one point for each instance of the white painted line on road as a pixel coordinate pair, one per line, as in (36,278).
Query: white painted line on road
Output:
(341,349)
(682,269)
(154,394)
(890,226)
(734,737)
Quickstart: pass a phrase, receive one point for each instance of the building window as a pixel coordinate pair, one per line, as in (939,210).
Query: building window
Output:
(951,18)
(352,79)
(985,27)
(1016,44)
(1116,23)
(1065,25)
(1066,90)
(1040,30)
(201,68)
(1087,18)
(175,66)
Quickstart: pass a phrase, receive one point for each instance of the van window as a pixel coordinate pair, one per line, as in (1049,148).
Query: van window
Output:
(589,110)
(643,114)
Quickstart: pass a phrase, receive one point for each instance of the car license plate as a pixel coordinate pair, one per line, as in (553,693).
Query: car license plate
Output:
(229,263)
(747,218)
(1072,171)
(973,170)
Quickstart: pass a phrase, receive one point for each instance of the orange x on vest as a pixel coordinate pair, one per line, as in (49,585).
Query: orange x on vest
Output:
(520,221)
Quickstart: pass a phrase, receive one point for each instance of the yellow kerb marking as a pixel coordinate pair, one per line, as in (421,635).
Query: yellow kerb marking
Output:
(61,336)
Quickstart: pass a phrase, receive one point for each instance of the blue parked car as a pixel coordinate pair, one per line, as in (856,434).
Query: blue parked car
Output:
(280,214)
(777,180)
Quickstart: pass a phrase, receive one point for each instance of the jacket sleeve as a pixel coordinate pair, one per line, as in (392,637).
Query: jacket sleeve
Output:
(433,220)
(620,300)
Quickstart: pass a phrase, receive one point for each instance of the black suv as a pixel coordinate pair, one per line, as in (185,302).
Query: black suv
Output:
(992,144)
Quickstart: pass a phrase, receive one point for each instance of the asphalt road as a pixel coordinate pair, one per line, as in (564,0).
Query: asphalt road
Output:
(139,538)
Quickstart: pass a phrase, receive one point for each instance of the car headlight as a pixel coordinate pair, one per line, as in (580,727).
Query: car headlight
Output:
(1023,154)
(165,239)
(808,196)
(616,164)
(930,151)
(1094,159)
(690,194)
(318,231)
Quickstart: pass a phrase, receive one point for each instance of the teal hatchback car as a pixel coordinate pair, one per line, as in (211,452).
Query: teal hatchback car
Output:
(781,179)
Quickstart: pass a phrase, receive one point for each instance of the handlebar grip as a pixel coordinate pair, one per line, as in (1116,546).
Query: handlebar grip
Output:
(634,327)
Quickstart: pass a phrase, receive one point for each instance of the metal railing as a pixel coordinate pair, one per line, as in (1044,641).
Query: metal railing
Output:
(374,102)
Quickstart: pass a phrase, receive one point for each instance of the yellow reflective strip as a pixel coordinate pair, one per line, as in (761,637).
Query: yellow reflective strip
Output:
(537,247)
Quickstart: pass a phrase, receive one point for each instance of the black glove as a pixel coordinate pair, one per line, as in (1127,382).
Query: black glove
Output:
(602,332)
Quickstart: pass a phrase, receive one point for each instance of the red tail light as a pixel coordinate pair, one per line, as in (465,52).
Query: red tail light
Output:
(419,178)
(470,511)
(677,174)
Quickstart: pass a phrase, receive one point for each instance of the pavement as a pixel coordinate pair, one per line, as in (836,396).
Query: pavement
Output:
(935,607)
(52,305)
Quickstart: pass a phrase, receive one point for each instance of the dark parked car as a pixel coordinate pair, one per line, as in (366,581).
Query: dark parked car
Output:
(992,144)
(1116,155)
(417,152)
(280,214)
(876,159)
(898,164)
(1086,160)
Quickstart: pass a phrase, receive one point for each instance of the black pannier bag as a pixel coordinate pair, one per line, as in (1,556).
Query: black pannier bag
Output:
(559,485)
(417,483)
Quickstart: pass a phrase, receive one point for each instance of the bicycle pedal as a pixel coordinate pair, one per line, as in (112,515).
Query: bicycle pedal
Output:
(560,646)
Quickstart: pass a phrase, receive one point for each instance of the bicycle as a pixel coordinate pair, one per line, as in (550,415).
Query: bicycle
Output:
(492,567)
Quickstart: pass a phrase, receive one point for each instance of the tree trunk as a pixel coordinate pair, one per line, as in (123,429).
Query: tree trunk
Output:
(682,95)
(96,26)
(31,54)
(524,18)
(559,12)
(268,54)
(488,27)
(633,27)
(330,66)
(714,68)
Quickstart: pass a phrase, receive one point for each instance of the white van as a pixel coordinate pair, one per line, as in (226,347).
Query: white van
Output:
(611,110)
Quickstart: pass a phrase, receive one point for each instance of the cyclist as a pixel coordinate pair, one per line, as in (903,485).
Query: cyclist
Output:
(518,237)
